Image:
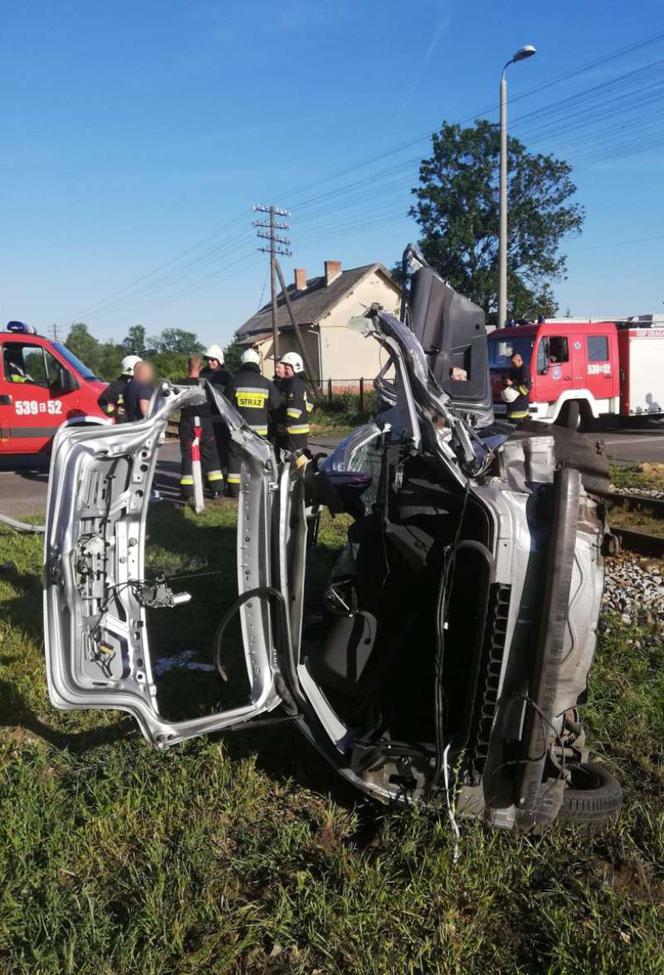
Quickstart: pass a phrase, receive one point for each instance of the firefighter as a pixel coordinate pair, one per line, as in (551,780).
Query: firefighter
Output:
(518,381)
(208,444)
(293,427)
(219,377)
(112,400)
(274,417)
(257,400)
(214,370)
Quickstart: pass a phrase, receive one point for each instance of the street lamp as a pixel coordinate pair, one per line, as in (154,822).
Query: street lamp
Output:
(524,52)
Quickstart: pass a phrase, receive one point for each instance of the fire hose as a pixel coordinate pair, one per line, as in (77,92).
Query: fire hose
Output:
(21,526)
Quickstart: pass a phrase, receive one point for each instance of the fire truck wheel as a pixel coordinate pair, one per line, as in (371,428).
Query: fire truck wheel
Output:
(570,415)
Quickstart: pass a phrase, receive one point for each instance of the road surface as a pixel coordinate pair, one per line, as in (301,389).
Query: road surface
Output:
(23,492)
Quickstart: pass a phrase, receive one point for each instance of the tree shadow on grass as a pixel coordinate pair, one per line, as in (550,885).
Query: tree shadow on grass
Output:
(23,611)
(16,716)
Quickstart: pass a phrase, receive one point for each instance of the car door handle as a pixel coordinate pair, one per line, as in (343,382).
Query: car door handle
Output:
(5,400)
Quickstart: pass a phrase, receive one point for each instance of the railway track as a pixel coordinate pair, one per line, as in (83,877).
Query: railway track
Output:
(631,540)
(630,501)
(641,543)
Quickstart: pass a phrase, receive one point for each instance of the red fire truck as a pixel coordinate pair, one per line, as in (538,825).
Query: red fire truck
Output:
(581,371)
(42,384)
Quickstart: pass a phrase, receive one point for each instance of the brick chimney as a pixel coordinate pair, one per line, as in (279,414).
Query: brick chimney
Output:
(300,279)
(332,271)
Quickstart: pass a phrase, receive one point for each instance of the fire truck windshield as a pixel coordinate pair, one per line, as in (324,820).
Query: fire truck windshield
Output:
(501,349)
(74,361)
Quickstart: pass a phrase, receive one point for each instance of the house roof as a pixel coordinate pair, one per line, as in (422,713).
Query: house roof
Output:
(309,306)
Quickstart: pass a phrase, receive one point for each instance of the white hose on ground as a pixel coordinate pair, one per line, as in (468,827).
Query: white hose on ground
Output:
(21,526)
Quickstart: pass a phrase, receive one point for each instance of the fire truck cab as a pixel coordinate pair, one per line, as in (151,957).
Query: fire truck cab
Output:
(42,384)
(581,371)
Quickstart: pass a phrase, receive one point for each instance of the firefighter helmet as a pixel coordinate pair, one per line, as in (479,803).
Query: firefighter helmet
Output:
(129,363)
(293,359)
(214,352)
(509,394)
(250,355)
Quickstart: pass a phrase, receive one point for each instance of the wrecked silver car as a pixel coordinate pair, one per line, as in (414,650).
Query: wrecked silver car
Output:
(446,653)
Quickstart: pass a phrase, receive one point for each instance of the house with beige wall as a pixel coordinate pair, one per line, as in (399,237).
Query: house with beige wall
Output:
(322,307)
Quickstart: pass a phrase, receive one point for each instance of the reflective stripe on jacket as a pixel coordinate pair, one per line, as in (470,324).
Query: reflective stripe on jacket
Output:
(295,415)
(112,400)
(518,410)
(255,397)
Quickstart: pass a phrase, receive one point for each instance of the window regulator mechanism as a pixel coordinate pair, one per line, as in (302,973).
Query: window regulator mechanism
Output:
(159,595)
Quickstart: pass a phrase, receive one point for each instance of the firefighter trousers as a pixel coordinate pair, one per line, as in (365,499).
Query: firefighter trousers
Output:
(209,460)
(292,441)
(234,469)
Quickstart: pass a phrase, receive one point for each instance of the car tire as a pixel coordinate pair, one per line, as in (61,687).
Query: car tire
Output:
(593,798)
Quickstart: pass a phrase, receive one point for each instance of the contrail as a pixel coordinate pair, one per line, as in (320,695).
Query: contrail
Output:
(443,22)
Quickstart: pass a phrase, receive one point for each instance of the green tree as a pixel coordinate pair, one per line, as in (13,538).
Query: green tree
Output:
(85,346)
(134,343)
(111,360)
(170,365)
(232,355)
(458,212)
(177,340)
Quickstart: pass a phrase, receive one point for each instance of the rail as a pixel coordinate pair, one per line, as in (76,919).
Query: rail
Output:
(654,505)
(632,540)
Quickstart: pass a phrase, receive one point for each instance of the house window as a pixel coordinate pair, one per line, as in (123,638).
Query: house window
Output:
(552,350)
(598,348)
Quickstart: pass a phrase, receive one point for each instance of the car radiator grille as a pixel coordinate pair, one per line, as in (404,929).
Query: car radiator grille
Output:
(489,682)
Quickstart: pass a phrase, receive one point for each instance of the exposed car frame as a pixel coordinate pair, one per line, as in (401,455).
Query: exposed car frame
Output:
(489,539)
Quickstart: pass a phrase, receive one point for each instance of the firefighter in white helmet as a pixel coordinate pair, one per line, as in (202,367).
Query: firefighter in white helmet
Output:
(214,370)
(207,441)
(218,377)
(112,400)
(257,400)
(293,426)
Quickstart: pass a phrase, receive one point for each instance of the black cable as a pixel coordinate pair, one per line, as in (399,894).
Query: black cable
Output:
(449,560)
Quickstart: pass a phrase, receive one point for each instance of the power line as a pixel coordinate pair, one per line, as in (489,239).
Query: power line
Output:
(169,263)
(384,182)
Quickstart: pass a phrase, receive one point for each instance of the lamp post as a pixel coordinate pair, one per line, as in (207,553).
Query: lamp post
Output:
(521,55)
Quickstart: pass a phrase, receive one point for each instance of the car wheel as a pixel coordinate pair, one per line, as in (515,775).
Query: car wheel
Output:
(592,798)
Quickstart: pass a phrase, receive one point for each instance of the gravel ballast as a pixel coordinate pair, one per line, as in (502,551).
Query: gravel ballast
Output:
(634,583)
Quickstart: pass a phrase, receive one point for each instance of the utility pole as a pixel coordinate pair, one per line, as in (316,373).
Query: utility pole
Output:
(277,245)
(54,330)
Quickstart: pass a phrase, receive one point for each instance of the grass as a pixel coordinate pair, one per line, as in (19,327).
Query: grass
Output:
(244,853)
(640,476)
(342,414)
(636,519)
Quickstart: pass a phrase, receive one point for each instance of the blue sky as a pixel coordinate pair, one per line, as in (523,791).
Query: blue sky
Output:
(135,131)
